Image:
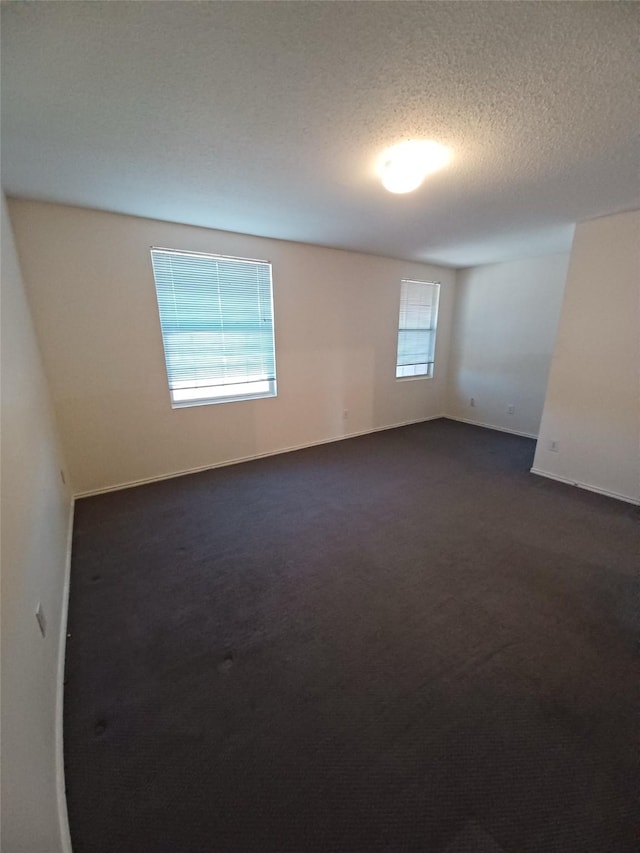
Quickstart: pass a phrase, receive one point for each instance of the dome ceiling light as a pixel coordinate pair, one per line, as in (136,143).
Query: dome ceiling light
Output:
(402,168)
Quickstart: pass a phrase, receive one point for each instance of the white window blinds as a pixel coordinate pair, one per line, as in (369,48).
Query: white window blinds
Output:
(417,328)
(216,316)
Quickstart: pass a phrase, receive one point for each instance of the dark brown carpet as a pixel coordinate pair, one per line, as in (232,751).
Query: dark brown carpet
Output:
(401,642)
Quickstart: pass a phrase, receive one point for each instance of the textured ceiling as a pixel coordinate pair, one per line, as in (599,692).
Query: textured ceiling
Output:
(267,118)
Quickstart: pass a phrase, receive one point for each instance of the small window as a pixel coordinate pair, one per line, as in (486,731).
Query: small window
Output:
(417,328)
(216,316)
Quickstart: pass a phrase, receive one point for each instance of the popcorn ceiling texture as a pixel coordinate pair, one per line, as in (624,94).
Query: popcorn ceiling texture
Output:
(267,118)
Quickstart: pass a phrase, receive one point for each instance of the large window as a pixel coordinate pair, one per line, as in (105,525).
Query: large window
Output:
(216,316)
(417,328)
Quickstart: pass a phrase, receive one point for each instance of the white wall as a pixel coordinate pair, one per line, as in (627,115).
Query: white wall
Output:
(91,288)
(504,328)
(35,512)
(592,407)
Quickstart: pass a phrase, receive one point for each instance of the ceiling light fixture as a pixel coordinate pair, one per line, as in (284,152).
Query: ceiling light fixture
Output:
(402,168)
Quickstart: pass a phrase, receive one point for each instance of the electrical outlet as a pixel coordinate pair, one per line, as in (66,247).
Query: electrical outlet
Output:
(42,622)
(554,446)
(510,409)
(472,401)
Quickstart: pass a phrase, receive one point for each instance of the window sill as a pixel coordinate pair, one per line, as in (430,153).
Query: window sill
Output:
(187,404)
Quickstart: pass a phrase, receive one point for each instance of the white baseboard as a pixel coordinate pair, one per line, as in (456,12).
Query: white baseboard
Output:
(627,498)
(132,483)
(63,819)
(490,426)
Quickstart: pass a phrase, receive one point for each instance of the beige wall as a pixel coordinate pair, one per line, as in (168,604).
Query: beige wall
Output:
(504,329)
(91,288)
(35,512)
(592,407)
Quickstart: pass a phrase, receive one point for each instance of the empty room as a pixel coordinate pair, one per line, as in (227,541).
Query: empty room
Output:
(320,427)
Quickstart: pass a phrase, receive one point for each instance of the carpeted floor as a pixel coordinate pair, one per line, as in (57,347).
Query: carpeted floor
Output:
(400,642)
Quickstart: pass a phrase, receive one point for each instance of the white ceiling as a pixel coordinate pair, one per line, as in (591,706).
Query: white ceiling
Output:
(267,118)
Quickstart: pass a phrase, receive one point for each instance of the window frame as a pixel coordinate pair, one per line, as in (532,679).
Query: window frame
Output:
(271,383)
(430,373)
